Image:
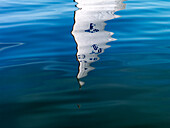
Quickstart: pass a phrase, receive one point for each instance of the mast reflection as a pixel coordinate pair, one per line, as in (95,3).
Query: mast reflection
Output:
(89,33)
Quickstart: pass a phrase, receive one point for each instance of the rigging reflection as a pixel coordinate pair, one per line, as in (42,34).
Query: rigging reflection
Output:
(4,46)
(89,33)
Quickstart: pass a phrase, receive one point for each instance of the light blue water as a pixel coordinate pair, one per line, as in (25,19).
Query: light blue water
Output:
(61,66)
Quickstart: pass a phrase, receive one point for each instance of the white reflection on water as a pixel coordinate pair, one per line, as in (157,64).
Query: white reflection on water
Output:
(89,33)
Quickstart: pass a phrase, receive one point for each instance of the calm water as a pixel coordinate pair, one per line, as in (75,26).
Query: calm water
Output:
(84,64)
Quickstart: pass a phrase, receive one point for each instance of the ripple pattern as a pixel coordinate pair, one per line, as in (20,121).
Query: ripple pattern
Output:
(119,50)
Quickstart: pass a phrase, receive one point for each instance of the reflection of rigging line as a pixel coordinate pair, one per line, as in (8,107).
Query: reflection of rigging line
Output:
(13,45)
(88,31)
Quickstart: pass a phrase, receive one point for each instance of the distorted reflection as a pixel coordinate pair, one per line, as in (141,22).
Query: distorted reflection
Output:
(89,33)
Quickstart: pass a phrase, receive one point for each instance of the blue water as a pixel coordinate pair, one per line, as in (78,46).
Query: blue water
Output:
(52,75)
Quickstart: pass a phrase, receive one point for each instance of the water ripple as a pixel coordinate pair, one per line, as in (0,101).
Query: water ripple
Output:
(49,48)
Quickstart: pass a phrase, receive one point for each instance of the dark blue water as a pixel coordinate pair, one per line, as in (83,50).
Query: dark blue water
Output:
(100,64)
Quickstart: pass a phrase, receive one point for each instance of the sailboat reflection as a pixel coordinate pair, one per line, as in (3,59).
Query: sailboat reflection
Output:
(89,33)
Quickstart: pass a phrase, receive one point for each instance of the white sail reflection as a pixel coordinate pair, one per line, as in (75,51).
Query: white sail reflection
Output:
(89,33)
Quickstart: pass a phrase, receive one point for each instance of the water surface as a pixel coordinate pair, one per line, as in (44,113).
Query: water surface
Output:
(66,64)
